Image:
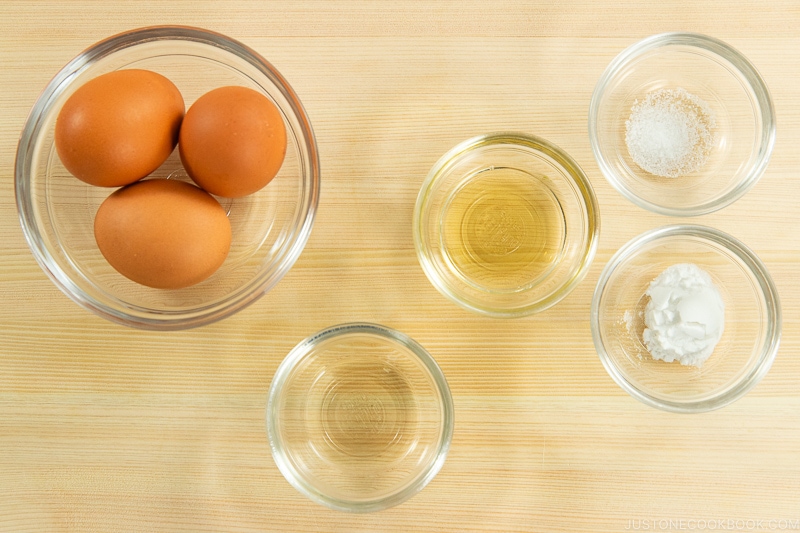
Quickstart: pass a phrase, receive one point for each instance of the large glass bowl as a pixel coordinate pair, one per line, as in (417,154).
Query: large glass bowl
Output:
(736,95)
(270,228)
(752,327)
(359,417)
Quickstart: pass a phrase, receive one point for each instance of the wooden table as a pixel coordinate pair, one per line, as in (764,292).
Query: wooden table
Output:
(104,428)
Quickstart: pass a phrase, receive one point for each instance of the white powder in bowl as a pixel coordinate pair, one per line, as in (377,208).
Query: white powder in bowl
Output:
(685,316)
(670,133)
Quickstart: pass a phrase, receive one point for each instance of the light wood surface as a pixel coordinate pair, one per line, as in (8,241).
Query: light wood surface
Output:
(104,428)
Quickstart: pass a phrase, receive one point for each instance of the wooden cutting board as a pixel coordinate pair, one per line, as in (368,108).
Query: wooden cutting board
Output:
(104,428)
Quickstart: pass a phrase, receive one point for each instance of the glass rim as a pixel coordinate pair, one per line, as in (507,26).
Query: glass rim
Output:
(767,288)
(133,315)
(755,82)
(538,145)
(297,354)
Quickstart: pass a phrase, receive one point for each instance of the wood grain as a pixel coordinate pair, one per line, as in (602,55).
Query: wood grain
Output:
(105,429)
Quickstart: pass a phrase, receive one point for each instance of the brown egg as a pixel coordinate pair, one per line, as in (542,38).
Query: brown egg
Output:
(161,233)
(232,141)
(119,127)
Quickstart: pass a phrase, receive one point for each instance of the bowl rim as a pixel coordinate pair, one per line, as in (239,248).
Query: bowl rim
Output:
(766,286)
(152,319)
(579,178)
(297,354)
(763,102)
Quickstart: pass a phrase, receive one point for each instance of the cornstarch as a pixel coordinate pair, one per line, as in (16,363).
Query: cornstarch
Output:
(685,316)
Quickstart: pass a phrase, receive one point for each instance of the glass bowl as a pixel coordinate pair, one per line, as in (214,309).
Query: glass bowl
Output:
(739,144)
(752,326)
(270,228)
(506,224)
(359,417)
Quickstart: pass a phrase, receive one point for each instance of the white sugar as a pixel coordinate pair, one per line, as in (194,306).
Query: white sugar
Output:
(671,133)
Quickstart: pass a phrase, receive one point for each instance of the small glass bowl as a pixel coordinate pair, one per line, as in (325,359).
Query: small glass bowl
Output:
(716,73)
(270,227)
(359,417)
(751,332)
(506,224)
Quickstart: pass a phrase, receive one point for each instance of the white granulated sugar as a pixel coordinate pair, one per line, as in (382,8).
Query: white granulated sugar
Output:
(685,316)
(670,133)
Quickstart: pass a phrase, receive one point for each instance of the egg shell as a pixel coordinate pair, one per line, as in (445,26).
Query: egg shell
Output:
(232,141)
(165,234)
(119,127)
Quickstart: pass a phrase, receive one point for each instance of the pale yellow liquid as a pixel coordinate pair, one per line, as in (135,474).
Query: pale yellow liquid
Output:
(366,411)
(360,419)
(503,230)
